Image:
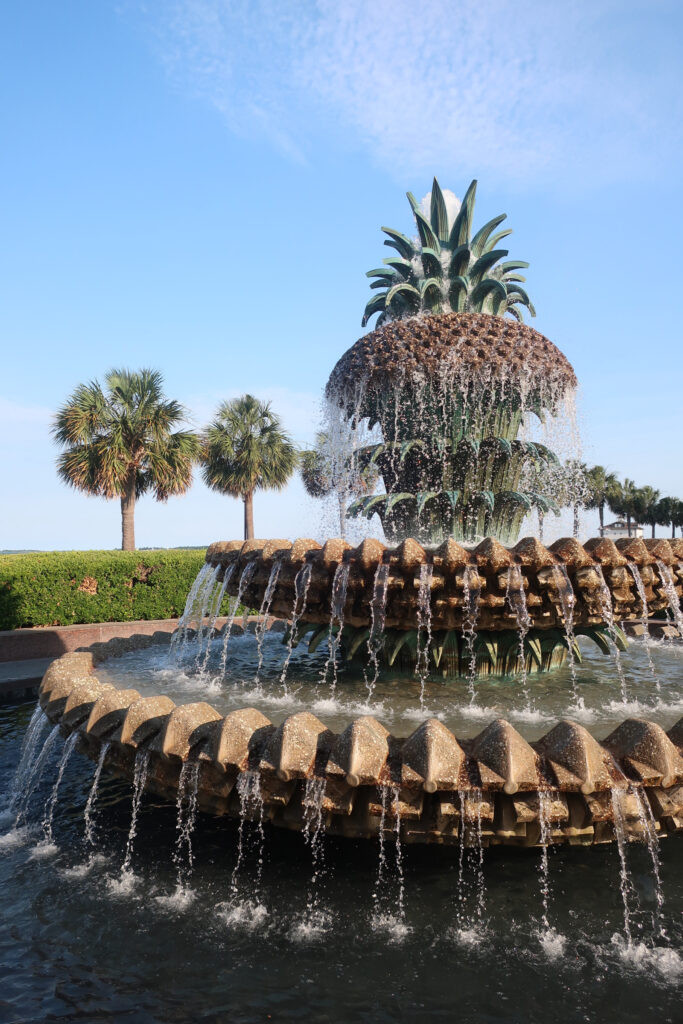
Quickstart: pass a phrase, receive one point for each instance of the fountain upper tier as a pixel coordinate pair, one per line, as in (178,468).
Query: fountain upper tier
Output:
(547,575)
(488,350)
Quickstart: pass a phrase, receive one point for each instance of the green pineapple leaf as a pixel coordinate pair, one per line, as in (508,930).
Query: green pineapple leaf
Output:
(403,246)
(478,244)
(484,264)
(462,225)
(408,292)
(438,213)
(457,293)
(460,261)
(431,263)
(375,305)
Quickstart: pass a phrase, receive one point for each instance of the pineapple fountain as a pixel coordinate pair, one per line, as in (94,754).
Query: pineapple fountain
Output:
(436,399)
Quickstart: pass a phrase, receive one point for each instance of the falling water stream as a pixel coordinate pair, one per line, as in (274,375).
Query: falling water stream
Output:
(378,609)
(471,586)
(264,612)
(89,831)
(247,573)
(644,621)
(186,808)
(515,597)
(608,616)
(139,782)
(195,596)
(424,627)
(340,585)
(671,596)
(51,803)
(567,601)
(301,584)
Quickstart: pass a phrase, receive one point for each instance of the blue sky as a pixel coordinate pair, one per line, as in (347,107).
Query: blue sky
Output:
(199,187)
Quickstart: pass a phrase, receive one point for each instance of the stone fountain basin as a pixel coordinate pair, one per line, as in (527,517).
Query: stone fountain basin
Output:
(442,789)
(546,574)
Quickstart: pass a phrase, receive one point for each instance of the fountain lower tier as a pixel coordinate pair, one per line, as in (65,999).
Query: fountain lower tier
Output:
(565,785)
(474,603)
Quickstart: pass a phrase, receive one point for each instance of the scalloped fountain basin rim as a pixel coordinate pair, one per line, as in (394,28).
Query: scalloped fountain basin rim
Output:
(442,786)
(544,572)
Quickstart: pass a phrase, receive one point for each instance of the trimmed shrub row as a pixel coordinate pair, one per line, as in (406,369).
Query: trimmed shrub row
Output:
(60,588)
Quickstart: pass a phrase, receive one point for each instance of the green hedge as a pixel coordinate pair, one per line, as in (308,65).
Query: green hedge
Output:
(59,588)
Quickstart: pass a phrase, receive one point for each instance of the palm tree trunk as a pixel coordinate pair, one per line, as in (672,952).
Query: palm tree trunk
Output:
(249,515)
(653,531)
(628,523)
(128,518)
(576,520)
(673,530)
(601,513)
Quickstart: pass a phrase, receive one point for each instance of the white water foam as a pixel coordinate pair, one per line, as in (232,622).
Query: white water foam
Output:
(311,929)
(79,871)
(43,849)
(124,884)
(641,957)
(14,838)
(244,915)
(553,943)
(177,901)
(470,937)
(392,927)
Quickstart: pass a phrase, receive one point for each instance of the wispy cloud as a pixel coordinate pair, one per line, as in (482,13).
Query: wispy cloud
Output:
(527,90)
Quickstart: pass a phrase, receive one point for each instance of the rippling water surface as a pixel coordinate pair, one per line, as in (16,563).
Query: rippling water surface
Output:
(79,941)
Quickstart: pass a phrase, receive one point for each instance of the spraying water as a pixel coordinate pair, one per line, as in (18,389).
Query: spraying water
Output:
(544,805)
(139,782)
(186,805)
(378,611)
(471,588)
(27,757)
(92,796)
(625,881)
(313,832)
(608,615)
(207,603)
(214,611)
(194,598)
(567,602)
(340,585)
(251,806)
(644,617)
(301,584)
(424,627)
(516,599)
(264,611)
(671,595)
(52,801)
(247,573)
(34,774)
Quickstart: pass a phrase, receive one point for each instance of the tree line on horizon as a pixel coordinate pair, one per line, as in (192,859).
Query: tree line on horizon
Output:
(124,439)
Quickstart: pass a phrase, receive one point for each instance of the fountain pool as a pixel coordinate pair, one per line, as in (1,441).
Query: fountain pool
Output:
(78,942)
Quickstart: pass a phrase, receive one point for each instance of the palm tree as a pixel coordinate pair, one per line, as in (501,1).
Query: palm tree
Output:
(244,450)
(645,505)
(623,501)
(120,442)
(600,484)
(571,488)
(668,512)
(322,473)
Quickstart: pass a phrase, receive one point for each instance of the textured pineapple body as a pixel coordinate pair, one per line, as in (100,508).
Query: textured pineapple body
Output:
(450,393)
